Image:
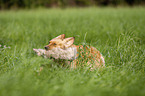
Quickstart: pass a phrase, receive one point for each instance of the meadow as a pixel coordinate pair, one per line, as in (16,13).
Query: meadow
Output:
(118,33)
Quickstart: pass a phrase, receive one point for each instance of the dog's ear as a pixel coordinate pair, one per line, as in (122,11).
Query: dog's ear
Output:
(68,41)
(62,36)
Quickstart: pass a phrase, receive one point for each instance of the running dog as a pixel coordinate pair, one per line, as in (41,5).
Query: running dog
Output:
(78,55)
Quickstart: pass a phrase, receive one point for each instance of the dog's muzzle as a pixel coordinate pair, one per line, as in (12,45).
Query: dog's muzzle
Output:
(46,48)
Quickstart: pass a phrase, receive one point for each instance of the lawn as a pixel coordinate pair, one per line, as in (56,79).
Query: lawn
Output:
(118,33)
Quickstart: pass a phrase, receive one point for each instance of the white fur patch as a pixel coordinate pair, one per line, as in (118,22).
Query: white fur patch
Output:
(39,52)
(58,53)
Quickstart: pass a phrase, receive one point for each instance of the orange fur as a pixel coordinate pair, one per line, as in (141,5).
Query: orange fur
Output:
(87,53)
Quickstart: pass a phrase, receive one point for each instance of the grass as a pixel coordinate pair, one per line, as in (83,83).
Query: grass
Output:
(118,33)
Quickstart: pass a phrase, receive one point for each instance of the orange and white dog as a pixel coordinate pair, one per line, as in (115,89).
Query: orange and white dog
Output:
(63,48)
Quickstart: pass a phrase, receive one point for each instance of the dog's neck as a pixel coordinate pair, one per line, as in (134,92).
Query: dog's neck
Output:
(58,53)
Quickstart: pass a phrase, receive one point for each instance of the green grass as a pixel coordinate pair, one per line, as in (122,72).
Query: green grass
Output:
(118,33)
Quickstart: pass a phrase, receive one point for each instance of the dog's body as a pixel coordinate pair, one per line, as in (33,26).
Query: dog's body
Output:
(63,48)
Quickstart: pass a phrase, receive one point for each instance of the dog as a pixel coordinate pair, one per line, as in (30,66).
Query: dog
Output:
(78,55)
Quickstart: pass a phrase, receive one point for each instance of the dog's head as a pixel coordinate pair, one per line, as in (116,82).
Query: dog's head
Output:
(60,42)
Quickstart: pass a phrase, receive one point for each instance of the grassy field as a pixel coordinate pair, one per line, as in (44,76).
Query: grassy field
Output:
(118,33)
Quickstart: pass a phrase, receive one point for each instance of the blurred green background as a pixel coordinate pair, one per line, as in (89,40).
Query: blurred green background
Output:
(116,30)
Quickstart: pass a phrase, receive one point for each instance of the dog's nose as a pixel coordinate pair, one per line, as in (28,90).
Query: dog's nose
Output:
(46,48)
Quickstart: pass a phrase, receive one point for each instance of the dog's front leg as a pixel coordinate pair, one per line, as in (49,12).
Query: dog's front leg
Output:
(73,64)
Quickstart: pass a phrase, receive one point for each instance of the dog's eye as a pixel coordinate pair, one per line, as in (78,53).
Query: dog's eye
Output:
(54,44)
